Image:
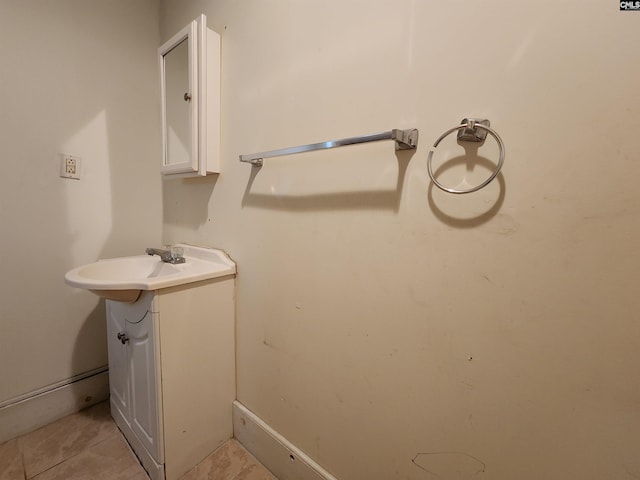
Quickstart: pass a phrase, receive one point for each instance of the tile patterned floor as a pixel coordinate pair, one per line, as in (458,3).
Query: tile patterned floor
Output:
(88,445)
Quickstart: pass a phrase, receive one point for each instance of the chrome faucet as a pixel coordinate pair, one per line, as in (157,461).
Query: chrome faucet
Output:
(174,255)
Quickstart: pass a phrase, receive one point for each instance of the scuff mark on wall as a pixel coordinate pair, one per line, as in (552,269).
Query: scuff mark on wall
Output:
(471,421)
(502,224)
(630,472)
(449,465)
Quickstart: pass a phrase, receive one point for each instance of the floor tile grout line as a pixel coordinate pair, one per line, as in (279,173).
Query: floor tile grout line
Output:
(24,469)
(86,446)
(132,452)
(65,459)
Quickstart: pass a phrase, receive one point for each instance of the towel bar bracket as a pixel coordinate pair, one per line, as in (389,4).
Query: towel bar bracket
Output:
(471,133)
(405,139)
(256,162)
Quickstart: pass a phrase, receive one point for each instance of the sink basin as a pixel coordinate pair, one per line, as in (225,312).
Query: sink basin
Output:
(124,278)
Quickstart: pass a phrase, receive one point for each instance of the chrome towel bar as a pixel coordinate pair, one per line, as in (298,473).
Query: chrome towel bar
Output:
(405,139)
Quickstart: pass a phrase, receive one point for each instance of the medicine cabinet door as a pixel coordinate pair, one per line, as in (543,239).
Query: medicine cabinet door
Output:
(179,85)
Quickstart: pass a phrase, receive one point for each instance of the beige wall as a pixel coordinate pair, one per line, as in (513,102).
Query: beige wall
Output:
(81,78)
(388,329)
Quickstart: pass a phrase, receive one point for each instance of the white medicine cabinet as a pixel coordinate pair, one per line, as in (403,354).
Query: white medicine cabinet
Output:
(190,90)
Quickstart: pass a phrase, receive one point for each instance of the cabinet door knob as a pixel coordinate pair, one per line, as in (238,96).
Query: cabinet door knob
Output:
(187,97)
(123,337)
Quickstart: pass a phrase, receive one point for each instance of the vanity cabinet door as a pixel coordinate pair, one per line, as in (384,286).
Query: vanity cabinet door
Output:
(134,359)
(144,384)
(118,363)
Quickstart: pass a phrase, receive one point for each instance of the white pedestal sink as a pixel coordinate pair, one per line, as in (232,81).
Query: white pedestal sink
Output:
(123,279)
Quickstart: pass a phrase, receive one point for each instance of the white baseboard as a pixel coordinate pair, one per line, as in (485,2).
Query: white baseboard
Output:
(280,456)
(37,409)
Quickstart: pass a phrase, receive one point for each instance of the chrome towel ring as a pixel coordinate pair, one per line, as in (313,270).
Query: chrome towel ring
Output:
(468,131)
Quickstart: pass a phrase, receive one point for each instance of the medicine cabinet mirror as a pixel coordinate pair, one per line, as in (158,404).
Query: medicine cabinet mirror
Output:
(190,90)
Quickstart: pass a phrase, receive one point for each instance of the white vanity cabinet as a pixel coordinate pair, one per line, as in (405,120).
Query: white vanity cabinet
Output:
(172,373)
